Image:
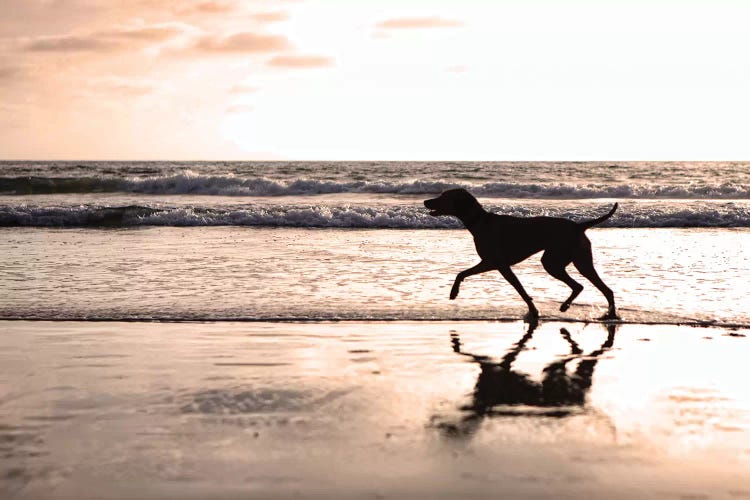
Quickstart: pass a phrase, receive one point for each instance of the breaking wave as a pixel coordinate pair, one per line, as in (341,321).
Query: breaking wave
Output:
(230,185)
(396,217)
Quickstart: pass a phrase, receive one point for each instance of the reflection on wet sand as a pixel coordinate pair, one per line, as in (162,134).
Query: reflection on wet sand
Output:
(501,390)
(338,410)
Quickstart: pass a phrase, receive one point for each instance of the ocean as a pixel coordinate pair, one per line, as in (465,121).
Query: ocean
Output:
(363,194)
(352,241)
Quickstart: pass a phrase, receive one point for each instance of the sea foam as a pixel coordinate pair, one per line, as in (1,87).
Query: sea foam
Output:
(231,185)
(345,216)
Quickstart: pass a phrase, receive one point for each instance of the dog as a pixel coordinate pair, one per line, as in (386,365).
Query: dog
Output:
(503,240)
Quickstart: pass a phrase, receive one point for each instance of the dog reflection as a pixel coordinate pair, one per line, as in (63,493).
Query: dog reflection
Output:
(501,391)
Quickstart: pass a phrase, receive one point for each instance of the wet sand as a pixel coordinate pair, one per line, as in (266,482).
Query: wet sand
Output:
(372,410)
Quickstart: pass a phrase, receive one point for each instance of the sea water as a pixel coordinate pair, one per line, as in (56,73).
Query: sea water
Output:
(352,240)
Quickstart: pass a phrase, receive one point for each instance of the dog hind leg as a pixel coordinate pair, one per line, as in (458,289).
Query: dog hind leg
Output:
(554,263)
(584,262)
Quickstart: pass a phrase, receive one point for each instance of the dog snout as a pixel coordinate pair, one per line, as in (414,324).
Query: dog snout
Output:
(436,206)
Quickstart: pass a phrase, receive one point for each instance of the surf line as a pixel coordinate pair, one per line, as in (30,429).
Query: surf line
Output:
(394,319)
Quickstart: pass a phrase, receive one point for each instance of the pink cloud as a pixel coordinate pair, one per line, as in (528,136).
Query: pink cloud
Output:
(104,41)
(418,22)
(270,17)
(213,7)
(300,61)
(154,33)
(124,86)
(242,89)
(70,43)
(244,42)
(9,72)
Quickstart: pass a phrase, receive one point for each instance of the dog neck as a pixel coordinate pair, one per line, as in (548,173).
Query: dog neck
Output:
(472,218)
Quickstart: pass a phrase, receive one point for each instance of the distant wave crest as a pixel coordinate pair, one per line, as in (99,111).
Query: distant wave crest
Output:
(230,185)
(411,217)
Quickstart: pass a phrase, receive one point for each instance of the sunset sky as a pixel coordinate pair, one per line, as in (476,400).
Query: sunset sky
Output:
(369,80)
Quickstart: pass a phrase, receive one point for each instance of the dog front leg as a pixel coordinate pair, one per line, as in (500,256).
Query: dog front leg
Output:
(482,267)
(533,314)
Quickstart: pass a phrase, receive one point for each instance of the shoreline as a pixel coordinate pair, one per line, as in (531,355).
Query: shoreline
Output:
(386,320)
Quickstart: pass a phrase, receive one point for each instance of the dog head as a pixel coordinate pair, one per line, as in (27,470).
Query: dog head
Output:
(452,202)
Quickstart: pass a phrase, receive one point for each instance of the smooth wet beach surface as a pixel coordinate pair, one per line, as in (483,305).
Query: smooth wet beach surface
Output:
(372,410)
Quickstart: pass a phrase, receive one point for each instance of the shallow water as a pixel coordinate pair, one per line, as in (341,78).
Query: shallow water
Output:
(662,275)
(363,410)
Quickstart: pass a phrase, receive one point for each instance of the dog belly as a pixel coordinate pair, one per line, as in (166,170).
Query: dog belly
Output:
(502,255)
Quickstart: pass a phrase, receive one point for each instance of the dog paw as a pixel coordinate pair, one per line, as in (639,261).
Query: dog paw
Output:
(610,316)
(564,307)
(454,293)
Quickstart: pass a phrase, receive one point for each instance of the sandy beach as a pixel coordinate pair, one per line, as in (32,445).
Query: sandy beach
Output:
(372,410)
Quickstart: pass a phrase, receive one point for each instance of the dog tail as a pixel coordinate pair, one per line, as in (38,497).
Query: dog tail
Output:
(593,222)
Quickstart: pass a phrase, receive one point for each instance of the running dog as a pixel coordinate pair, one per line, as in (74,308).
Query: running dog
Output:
(503,240)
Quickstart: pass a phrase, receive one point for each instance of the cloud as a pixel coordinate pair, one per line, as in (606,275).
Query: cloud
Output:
(9,72)
(242,89)
(180,36)
(103,41)
(244,42)
(300,61)
(124,86)
(270,17)
(152,33)
(418,23)
(213,7)
(70,43)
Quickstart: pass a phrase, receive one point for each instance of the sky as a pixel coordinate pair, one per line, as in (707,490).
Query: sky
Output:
(374,80)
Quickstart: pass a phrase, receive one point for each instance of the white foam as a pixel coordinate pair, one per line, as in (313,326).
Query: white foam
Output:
(406,217)
(189,182)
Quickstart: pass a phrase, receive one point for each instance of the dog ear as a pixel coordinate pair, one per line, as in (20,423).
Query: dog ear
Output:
(464,200)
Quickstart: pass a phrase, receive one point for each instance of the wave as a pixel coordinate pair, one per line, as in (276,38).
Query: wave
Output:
(230,185)
(395,217)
